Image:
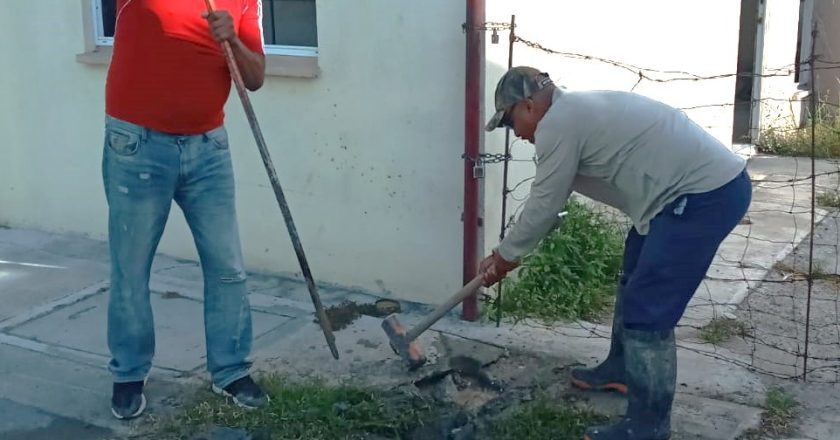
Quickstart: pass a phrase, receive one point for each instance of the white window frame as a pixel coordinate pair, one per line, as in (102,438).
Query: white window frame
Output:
(270,49)
(98,25)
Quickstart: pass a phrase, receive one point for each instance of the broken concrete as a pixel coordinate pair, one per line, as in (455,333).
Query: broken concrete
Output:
(366,356)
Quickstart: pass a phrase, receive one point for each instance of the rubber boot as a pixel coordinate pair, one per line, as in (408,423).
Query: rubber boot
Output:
(609,374)
(651,368)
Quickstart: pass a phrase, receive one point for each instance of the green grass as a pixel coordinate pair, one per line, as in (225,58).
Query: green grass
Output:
(721,329)
(778,417)
(829,199)
(572,274)
(310,411)
(793,141)
(818,271)
(545,419)
(779,412)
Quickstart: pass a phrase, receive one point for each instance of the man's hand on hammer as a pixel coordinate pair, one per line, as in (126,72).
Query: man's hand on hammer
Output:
(494,268)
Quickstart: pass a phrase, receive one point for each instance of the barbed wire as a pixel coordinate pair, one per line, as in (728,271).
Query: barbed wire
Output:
(643,72)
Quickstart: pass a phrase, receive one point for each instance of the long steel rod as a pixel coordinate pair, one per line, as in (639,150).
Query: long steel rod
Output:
(323,320)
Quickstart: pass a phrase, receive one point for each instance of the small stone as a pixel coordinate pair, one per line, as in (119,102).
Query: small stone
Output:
(466,430)
(445,389)
(461,381)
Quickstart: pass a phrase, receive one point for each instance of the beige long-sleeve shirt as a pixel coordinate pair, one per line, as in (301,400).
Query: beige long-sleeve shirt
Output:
(623,149)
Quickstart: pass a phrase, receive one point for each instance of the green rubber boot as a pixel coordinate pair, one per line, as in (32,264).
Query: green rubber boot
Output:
(651,369)
(609,374)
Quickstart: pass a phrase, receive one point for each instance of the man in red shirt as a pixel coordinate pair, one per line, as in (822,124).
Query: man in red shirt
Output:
(164,141)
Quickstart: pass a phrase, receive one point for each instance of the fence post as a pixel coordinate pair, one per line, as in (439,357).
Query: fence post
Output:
(813,109)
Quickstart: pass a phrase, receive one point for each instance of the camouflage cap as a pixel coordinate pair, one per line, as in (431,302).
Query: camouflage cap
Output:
(517,84)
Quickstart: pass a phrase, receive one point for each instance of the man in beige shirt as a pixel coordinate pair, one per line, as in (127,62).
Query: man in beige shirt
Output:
(683,190)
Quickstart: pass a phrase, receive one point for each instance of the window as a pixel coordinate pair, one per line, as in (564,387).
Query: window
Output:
(289,26)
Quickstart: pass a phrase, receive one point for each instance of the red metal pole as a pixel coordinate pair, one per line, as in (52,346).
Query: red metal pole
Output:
(472,137)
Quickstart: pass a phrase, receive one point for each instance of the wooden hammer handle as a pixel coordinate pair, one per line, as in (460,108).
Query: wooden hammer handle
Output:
(444,308)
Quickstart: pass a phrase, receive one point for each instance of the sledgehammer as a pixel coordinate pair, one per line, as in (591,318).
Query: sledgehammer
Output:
(404,342)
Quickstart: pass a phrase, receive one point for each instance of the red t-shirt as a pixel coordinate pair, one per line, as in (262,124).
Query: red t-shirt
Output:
(167,72)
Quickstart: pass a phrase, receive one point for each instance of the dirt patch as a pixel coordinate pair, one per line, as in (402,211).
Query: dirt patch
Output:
(516,396)
(172,295)
(347,312)
(367,343)
(465,384)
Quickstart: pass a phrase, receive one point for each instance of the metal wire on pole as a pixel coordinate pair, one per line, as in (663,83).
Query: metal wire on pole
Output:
(505,190)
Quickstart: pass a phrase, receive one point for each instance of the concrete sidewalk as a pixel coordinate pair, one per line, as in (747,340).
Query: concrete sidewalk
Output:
(778,220)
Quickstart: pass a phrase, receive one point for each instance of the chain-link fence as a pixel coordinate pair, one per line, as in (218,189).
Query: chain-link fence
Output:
(771,300)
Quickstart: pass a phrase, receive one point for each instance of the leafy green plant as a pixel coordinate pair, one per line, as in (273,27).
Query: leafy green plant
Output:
(572,274)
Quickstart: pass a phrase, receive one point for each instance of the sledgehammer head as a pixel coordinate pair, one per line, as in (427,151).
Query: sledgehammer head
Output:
(410,351)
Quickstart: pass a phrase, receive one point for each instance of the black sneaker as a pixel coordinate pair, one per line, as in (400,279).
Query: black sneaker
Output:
(245,393)
(128,401)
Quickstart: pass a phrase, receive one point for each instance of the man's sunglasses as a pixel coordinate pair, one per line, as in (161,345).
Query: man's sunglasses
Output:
(507,119)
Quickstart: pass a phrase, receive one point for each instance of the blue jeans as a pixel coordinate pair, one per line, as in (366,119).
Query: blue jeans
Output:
(143,171)
(664,268)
